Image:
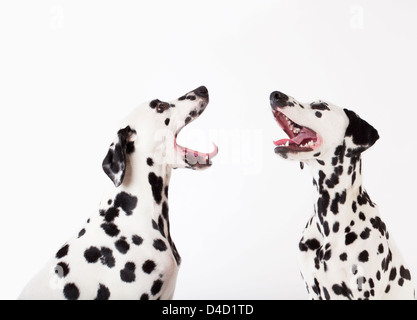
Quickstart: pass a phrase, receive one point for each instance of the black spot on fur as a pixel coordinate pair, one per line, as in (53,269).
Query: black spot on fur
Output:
(137,240)
(312,244)
(393,274)
(187,120)
(71,291)
(336,227)
(354,207)
(122,246)
(326,294)
(111,214)
(148,266)
(92,254)
(166,191)
(62,252)
(386,261)
(149,161)
(335,206)
(333,181)
(317,154)
(128,273)
(161,225)
(126,201)
(365,233)
(321,162)
(378,224)
(322,205)
(103,293)
(387,289)
(327,255)
(405,273)
(362,216)
(167,121)
(107,258)
(156,287)
(378,275)
(302,246)
(156,184)
(110,229)
(144,296)
(381,248)
(319,106)
(353,177)
(160,245)
(343,257)
(338,170)
(318,114)
(401,282)
(350,238)
(342,290)
(81,233)
(165,210)
(363,256)
(62,269)
(322,176)
(340,153)
(326,228)
(365,199)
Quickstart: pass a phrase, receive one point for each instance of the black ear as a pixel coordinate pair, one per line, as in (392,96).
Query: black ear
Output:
(363,134)
(114,164)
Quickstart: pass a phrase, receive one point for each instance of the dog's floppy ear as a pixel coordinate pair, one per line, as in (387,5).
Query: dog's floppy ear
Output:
(363,134)
(114,164)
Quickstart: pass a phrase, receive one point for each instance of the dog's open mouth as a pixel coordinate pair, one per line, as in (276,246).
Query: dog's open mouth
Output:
(195,159)
(301,139)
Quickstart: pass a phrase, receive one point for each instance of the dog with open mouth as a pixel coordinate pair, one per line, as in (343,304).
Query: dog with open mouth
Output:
(125,250)
(346,251)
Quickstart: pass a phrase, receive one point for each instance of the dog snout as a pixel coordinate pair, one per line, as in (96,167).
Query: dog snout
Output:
(202,92)
(278,99)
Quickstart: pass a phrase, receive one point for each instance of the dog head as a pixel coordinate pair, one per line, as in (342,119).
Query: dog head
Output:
(316,129)
(151,131)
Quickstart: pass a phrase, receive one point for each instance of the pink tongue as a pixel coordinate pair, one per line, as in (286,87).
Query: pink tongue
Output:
(304,134)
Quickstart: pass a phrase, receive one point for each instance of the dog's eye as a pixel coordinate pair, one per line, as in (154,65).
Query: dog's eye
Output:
(162,107)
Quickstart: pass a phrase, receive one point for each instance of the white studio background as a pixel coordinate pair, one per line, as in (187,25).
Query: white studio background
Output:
(71,70)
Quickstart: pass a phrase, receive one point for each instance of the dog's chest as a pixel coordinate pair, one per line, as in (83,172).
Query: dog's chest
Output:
(339,248)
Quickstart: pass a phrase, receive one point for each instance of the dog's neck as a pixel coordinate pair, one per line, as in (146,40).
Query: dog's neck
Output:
(337,184)
(148,179)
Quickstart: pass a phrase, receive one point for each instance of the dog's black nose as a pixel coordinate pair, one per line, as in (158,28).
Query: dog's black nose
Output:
(278,98)
(201,92)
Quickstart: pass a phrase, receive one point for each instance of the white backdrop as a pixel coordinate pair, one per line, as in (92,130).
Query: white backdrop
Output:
(70,70)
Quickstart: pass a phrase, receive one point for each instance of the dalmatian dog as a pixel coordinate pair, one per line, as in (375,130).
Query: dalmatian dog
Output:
(125,250)
(346,251)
